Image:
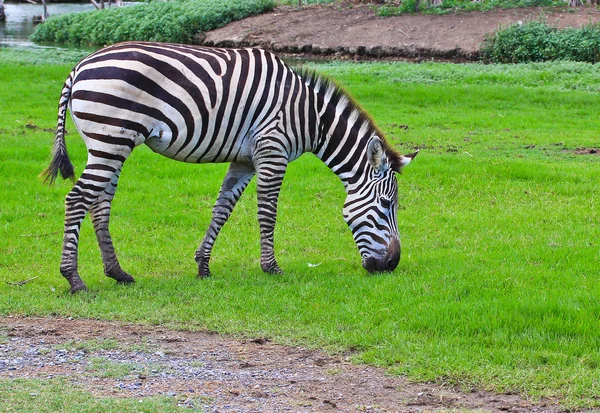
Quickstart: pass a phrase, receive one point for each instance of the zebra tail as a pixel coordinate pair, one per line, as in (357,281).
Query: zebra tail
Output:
(60,156)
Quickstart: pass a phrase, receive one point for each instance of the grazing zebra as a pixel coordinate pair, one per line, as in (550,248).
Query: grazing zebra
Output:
(243,106)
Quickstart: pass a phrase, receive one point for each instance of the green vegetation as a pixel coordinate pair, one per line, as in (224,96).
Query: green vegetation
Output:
(450,6)
(56,395)
(498,285)
(174,21)
(538,41)
(387,8)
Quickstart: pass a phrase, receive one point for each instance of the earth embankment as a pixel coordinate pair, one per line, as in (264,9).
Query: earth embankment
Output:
(357,32)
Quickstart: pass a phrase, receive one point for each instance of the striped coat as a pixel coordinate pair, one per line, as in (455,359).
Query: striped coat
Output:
(242,106)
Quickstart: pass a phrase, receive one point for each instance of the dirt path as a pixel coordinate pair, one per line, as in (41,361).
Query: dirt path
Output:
(221,374)
(341,30)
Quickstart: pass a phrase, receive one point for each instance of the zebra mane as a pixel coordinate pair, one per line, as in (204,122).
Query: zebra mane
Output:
(324,84)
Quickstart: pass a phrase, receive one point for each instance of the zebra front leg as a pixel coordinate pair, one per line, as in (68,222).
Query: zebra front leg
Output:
(270,163)
(236,180)
(100,214)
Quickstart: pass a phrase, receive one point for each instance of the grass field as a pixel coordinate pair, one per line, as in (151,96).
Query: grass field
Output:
(499,219)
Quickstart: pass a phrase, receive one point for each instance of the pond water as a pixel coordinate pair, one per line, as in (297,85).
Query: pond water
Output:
(17,28)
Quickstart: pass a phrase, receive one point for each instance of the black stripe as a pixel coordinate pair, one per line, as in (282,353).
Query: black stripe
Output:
(119,123)
(106,155)
(111,140)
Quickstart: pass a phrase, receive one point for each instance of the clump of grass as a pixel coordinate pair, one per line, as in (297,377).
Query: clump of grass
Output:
(174,21)
(60,395)
(448,6)
(537,41)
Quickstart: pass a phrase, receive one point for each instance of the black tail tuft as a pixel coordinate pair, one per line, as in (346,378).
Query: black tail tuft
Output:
(60,162)
(60,156)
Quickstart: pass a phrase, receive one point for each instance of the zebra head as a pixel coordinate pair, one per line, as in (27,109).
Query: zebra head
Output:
(371,207)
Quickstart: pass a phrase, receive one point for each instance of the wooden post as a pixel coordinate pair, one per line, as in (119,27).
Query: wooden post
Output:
(2,14)
(96,5)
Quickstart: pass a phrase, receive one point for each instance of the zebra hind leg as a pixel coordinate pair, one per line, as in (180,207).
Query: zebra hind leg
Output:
(100,214)
(235,182)
(101,172)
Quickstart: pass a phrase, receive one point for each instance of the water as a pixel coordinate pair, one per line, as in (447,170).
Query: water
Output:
(17,28)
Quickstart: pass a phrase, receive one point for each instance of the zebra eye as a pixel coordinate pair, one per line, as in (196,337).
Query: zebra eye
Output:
(385,202)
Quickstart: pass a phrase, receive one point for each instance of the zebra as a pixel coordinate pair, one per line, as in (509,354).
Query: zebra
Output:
(243,106)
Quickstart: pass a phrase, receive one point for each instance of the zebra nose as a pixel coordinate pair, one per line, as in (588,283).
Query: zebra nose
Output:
(393,255)
(386,263)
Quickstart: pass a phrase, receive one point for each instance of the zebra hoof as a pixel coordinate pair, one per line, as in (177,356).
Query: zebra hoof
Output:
(76,283)
(203,270)
(275,270)
(120,276)
(78,287)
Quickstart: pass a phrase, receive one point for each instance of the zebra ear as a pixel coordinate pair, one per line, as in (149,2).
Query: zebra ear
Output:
(402,160)
(375,153)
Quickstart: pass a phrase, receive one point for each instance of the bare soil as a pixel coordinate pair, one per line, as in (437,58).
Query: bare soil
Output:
(223,374)
(347,30)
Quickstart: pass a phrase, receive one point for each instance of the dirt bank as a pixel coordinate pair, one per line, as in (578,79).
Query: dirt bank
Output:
(222,374)
(342,30)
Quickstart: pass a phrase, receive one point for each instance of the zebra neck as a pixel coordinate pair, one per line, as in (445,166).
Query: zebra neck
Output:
(344,133)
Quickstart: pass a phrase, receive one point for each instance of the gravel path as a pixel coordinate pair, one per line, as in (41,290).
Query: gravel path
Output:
(221,374)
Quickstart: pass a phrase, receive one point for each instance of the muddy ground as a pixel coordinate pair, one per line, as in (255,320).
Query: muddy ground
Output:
(216,373)
(356,31)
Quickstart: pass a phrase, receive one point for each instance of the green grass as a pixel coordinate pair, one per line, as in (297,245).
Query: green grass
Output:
(498,284)
(394,7)
(59,395)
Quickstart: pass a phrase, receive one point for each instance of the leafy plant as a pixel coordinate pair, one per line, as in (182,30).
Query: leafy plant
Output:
(175,21)
(395,8)
(537,41)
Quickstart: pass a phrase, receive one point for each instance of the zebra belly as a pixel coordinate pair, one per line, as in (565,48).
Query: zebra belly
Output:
(208,150)
(112,110)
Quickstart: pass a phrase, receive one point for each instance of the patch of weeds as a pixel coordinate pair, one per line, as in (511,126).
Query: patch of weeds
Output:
(142,346)
(59,395)
(195,402)
(91,345)
(453,6)
(3,335)
(106,369)
(197,364)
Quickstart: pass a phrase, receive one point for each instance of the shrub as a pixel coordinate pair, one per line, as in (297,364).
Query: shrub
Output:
(538,41)
(392,8)
(175,21)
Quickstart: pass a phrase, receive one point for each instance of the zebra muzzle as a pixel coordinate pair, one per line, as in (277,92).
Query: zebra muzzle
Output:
(388,262)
